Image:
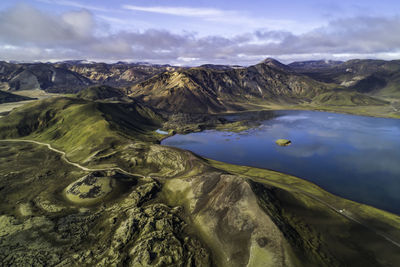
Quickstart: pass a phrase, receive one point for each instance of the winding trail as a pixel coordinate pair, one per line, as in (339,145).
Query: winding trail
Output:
(339,211)
(64,157)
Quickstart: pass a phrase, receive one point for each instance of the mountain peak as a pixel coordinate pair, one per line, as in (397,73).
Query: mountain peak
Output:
(271,62)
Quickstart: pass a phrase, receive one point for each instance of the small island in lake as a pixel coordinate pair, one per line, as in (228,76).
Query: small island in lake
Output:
(283,142)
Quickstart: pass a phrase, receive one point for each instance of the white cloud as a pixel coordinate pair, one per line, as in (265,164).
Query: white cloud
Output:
(23,24)
(81,22)
(228,17)
(178,11)
(28,33)
(75,4)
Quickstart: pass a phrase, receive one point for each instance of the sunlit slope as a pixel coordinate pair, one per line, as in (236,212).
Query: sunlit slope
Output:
(79,126)
(202,90)
(347,98)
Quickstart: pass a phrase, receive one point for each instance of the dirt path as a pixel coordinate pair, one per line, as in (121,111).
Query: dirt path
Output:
(339,211)
(64,157)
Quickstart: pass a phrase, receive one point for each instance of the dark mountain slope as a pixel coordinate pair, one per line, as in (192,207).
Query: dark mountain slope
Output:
(376,77)
(42,76)
(101,92)
(6,97)
(118,74)
(200,90)
(313,64)
(73,76)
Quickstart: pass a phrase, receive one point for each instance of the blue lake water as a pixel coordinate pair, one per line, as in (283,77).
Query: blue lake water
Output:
(355,157)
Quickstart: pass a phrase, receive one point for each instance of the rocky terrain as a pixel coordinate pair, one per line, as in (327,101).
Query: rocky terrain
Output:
(119,74)
(43,229)
(204,90)
(327,85)
(374,77)
(84,182)
(313,64)
(42,76)
(270,84)
(72,76)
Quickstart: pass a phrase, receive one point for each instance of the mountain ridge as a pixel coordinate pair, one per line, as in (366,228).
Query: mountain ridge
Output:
(208,90)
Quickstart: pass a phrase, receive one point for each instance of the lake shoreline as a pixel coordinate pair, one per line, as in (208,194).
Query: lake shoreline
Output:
(318,140)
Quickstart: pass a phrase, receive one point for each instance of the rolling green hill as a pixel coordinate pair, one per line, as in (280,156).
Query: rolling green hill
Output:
(84,181)
(80,126)
(101,92)
(161,201)
(346,98)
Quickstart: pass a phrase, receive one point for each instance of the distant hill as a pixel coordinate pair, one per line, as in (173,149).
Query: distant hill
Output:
(118,74)
(41,76)
(375,77)
(313,64)
(202,90)
(212,88)
(6,97)
(346,98)
(218,67)
(74,75)
(273,63)
(101,92)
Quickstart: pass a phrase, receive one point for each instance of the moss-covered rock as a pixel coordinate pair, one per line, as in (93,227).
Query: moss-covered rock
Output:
(90,189)
(283,142)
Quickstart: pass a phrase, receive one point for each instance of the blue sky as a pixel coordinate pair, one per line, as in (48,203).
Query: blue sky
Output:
(187,32)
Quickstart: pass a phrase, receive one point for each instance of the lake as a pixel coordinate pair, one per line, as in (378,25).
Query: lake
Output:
(355,157)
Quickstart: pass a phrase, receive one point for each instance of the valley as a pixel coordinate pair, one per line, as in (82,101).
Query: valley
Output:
(86,180)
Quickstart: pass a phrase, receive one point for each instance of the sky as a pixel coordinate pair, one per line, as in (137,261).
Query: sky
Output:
(187,32)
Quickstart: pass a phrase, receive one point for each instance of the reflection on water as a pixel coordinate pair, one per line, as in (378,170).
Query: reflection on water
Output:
(352,156)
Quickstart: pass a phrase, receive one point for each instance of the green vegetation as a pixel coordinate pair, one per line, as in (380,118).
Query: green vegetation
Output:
(321,225)
(89,189)
(80,127)
(346,98)
(283,142)
(38,226)
(117,197)
(101,93)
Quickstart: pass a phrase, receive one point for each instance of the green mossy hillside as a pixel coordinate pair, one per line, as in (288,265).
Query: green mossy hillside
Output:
(323,229)
(101,92)
(346,98)
(80,127)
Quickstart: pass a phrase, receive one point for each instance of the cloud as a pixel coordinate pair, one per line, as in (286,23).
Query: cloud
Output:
(178,11)
(76,5)
(227,17)
(24,29)
(24,24)
(80,22)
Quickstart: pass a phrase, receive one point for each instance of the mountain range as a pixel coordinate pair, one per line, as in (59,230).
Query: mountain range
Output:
(84,180)
(220,88)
